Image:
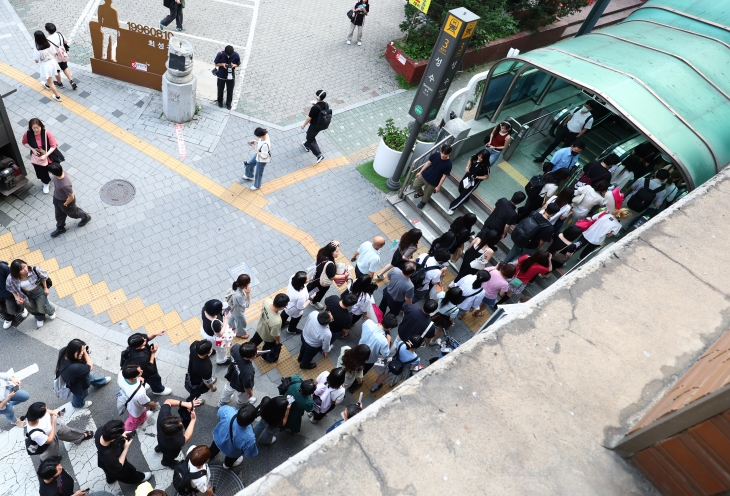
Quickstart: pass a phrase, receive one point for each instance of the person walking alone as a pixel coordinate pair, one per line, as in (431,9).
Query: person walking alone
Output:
(239,301)
(64,200)
(226,62)
(433,174)
(29,286)
(477,170)
(176,13)
(45,56)
(254,167)
(41,144)
(359,11)
(60,43)
(317,120)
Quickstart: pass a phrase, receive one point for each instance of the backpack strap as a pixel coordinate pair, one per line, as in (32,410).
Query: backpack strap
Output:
(27,434)
(397,353)
(230,428)
(132,396)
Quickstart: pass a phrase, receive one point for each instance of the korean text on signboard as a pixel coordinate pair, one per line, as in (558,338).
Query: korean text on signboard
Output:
(421,5)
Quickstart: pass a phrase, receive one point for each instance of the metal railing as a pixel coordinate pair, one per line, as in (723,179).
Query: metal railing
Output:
(529,128)
(418,163)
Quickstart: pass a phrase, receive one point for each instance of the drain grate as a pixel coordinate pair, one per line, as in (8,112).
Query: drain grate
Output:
(117,192)
(226,482)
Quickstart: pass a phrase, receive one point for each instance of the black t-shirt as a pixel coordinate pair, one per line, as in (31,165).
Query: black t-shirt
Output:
(169,446)
(274,412)
(142,358)
(438,168)
(314,112)
(559,244)
(75,374)
(504,213)
(414,322)
(341,317)
(596,172)
(208,323)
(240,372)
(107,459)
(478,168)
(199,369)
(329,269)
(51,489)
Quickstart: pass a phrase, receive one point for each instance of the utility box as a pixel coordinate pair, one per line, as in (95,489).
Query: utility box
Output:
(459,130)
(12,168)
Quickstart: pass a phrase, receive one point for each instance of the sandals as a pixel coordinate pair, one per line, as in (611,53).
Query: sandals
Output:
(478,313)
(88,435)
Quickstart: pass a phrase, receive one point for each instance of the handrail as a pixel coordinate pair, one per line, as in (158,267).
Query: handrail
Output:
(529,128)
(466,92)
(418,163)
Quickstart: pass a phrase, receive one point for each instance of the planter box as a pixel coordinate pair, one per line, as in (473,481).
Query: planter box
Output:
(413,70)
(421,148)
(385,160)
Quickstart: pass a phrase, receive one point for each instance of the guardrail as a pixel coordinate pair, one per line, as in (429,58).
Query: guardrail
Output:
(529,128)
(418,163)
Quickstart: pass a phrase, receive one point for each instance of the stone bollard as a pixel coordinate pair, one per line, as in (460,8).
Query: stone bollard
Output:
(178,83)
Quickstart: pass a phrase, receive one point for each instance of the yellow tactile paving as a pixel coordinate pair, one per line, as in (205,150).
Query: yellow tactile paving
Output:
(513,173)
(87,295)
(6,240)
(390,225)
(266,367)
(106,302)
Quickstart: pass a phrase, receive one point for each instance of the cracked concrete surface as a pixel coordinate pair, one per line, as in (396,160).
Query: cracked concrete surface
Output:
(532,405)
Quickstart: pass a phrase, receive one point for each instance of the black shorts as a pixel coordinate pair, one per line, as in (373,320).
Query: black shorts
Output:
(63,65)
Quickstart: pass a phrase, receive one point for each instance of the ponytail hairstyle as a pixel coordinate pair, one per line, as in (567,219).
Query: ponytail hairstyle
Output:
(241,282)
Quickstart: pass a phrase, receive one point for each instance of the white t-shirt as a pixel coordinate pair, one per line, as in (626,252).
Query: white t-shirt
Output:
(580,121)
(368,258)
(336,395)
(297,300)
(55,39)
(563,210)
(473,296)
(264,148)
(136,405)
(433,271)
(201,483)
(590,200)
(597,233)
(548,190)
(45,424)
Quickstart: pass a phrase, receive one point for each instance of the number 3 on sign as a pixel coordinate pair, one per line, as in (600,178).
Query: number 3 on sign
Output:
(444,47)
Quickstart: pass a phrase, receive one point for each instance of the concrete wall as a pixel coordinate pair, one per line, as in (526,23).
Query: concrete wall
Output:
(530,407)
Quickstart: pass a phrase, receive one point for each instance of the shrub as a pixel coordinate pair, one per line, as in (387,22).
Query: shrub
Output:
(534,14)
(428,133)
(422,30)
(394,137)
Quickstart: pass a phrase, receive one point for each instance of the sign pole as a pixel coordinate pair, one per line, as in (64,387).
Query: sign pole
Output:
(452,42)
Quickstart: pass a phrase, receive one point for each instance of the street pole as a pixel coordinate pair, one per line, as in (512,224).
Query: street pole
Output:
(394,181)
(448,51)
(592,18)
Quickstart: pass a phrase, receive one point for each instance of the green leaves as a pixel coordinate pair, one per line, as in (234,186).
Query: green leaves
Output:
(393,136)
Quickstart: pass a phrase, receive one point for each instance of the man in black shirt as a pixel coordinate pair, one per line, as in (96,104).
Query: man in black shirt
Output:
(544,233)
(199,379)
(339,307)
(416,320)
(54,480)
(143,354)
(313,120)
(112,446)
(170,435)
(503,216)
(596,171)
(240,375)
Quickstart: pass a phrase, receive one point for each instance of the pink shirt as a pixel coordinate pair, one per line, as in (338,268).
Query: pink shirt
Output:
(495,284)
(34,159)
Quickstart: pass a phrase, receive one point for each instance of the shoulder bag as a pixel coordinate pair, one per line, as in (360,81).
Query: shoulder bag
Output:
(395,366)
(56,156)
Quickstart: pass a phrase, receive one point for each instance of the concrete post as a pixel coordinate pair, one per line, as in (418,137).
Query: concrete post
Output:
(178,83)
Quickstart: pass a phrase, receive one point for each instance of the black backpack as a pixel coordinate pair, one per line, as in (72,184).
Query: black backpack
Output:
(284,386)
(325,117)
(31,446)
(182,476)
(126,356)
(535,185)
(395,366)
(420,274)
(643,198)
(527,229)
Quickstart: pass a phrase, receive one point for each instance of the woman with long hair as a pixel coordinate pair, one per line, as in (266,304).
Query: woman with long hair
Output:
(273,414)
(239,301)
(499,140)
(407,246)
(528,267)
(480,252)
(29,285)
(45,55)
(605,225)
(362,288)
(325,273)
(446,312)
(472,291)
(41,144)
(74,365)
(353,361)
(477,170)
(461,227)
(298,301)
(445,241)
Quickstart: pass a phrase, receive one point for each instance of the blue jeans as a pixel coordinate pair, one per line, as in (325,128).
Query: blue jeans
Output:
(9,411)
(78,401)
(263,433)
(493,155)
(256,174)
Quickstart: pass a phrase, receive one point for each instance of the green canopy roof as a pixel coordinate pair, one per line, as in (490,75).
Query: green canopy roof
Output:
(666,69)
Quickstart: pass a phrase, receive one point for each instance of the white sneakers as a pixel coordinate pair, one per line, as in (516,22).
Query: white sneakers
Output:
(57,98)
(359,43)
(7,324)
(86,405)
(253,188)
(25,313)
(246,178)
(165,392)
(348,42)
(252,400)
(107,379)
(39,323)
(147,476)
(235,464)
(450,212)
(52,317)
(46,188)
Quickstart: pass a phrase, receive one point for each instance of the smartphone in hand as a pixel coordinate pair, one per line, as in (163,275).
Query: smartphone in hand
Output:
(62,412)
(131,435)
(290,399)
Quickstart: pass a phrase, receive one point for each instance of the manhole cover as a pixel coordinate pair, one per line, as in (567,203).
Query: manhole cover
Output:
(117,192)
(226,482)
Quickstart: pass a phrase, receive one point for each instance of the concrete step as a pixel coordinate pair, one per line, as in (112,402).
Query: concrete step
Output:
(414,217)
(432,213)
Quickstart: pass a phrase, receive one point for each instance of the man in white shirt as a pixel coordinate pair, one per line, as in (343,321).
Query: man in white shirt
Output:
(377,337)
(578,122)
(367,257)
(130,381)
(435,266)
(316,337)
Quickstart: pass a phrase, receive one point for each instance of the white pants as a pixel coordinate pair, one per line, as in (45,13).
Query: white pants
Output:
(352,31)
(109,33)
(221,352)
(229,392)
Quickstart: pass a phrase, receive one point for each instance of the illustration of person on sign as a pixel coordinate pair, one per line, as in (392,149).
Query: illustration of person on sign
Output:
(109,20)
